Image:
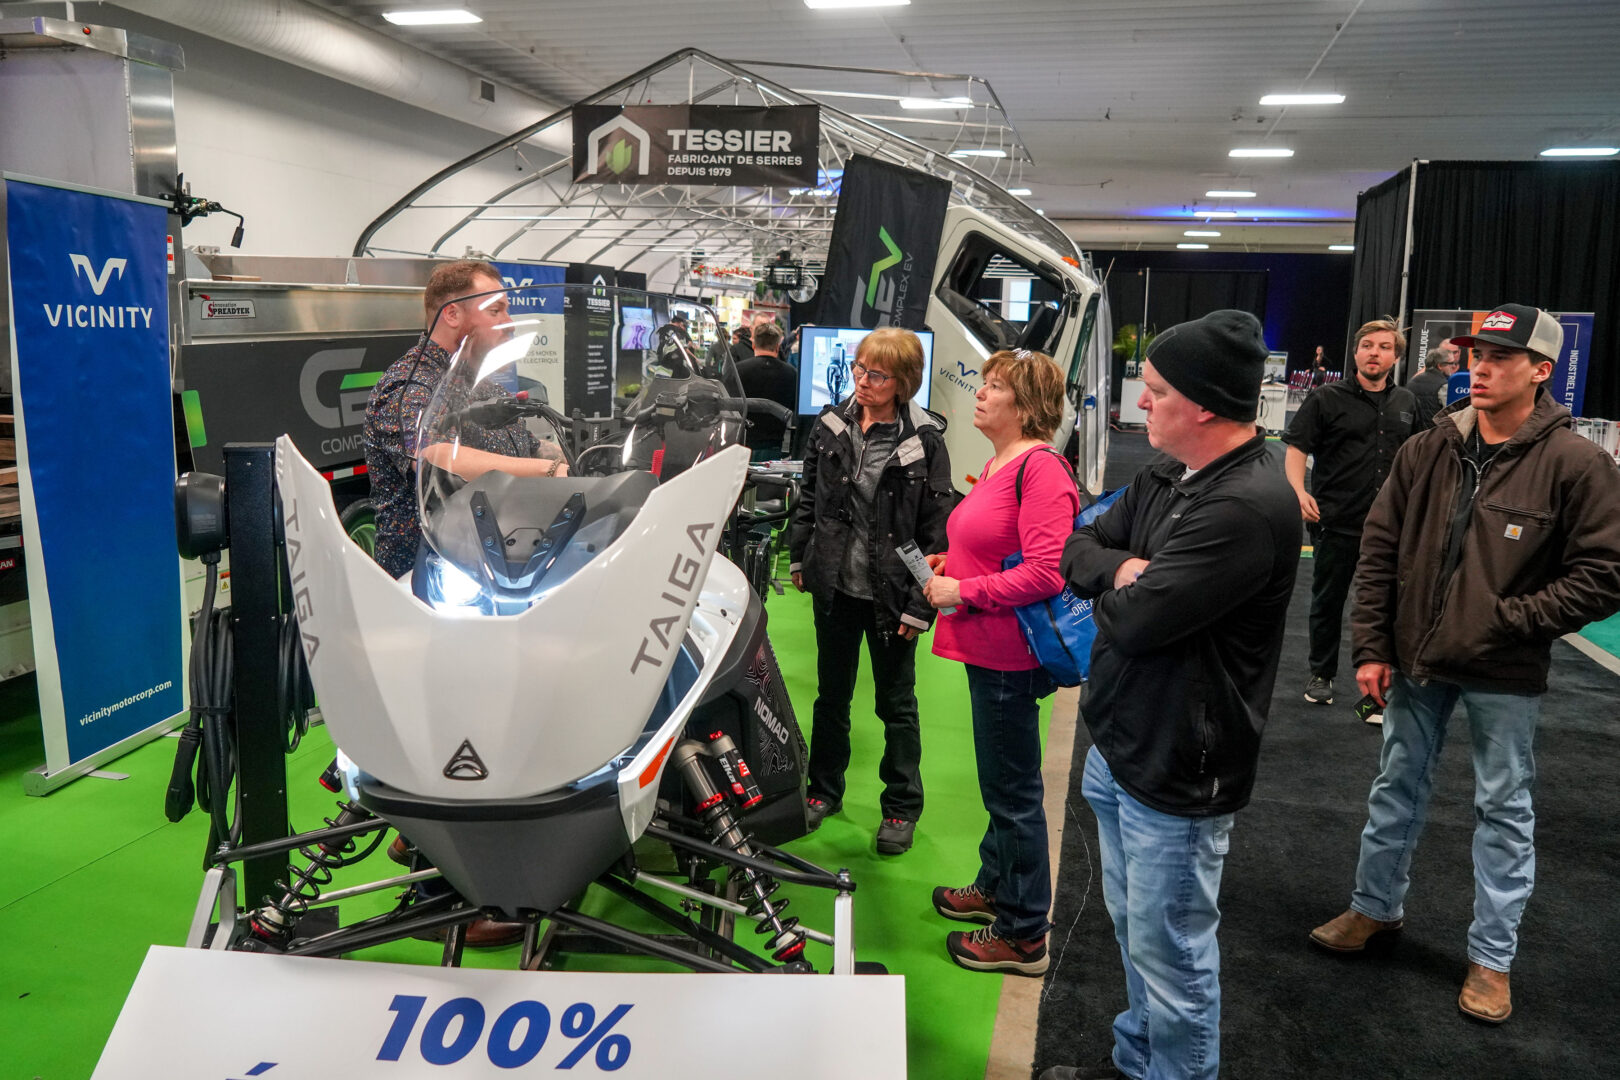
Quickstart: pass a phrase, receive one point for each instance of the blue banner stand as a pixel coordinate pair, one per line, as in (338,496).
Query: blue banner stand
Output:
(86,273)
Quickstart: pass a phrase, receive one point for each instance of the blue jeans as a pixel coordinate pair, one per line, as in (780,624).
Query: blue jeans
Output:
(1162,882)
(1014,864)
(1502,728)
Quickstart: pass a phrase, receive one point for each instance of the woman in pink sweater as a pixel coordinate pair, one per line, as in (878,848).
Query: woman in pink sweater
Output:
(1025,500)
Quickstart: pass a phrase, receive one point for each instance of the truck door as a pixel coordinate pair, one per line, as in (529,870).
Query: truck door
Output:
(995,289)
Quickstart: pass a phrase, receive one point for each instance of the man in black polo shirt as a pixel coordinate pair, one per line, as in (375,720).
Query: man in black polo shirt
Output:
(1353,427)
(767,375)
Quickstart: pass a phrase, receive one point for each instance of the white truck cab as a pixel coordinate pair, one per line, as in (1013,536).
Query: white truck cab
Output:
(972,315)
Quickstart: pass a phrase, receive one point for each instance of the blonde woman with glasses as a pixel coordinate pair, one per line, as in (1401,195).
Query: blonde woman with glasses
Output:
(876,476)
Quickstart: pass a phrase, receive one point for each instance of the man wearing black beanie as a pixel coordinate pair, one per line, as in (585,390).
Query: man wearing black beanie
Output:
(1191,572)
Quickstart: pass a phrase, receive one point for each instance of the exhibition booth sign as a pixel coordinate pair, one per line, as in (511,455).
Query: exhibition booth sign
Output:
(394,1020)
(701,145)
(90,327)
(884,244)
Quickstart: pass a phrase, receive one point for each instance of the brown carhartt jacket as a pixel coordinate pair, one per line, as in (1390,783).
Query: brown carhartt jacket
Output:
(1539,554)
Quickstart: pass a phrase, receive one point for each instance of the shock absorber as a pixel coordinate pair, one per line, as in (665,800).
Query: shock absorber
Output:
(786,942)
(273,923)
(738,775)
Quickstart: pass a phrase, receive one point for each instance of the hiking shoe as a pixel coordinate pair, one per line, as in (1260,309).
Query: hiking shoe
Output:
(1319,691)
(986,950)
(894,835)
(816,809)
(968,905)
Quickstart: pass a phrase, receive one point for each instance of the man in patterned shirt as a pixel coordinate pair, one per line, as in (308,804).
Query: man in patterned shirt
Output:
(405,390)
(478,324)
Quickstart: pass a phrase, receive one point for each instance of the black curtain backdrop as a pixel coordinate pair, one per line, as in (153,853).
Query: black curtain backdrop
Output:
(1375,291)
(1300,298)
(1548,234)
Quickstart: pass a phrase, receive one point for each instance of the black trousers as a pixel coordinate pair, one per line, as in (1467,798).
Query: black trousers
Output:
(894,671)
(1332,567)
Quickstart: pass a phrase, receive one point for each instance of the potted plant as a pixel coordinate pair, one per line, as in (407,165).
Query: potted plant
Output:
(1128,348)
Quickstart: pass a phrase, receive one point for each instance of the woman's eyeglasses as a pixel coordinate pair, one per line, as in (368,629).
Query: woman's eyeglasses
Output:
(878,379)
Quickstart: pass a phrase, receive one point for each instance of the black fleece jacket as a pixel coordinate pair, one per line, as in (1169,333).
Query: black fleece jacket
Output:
(1186,656)
(913,499)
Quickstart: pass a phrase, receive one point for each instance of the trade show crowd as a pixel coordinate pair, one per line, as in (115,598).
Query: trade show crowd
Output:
(1466,539)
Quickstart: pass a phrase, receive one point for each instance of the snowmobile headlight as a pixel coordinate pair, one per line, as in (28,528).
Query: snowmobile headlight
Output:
(454,589)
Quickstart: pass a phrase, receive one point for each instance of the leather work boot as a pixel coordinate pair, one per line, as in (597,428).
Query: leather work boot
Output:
(482,933)
(1351,931)
(400,851)
(1485,995)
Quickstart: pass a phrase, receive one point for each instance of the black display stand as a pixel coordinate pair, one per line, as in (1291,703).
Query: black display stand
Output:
(257,604)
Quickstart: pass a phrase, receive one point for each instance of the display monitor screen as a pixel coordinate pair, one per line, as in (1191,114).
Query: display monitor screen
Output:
(825,356)
(636,328)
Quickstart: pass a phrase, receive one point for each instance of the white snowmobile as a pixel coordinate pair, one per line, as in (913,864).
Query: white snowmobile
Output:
(567,671)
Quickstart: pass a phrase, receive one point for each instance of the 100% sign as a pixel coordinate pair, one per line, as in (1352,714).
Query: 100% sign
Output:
(454,1030)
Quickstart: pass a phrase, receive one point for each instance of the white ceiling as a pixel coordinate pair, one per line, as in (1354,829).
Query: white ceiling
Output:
(1129,108)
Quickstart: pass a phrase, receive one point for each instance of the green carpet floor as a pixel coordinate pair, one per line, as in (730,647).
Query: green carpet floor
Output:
(93,874)
(1605,635)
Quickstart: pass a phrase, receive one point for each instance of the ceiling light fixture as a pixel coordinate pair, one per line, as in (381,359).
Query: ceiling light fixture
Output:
(1193,247)
(436,17)
(1341,247)
(1302,99)
(1215,213)
(1260,151)
(1019,191)
(978,153)
(855,3)
(1201,232)
(1580,151)
(1228,194)
(935,103)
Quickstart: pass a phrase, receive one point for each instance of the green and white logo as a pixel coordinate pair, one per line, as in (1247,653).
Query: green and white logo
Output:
(884,293)
(618,143)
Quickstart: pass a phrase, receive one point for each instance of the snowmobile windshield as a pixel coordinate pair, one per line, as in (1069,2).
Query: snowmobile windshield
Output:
(548,432)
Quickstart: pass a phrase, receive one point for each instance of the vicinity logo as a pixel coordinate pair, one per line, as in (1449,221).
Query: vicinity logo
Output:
(98,282)
(98,316)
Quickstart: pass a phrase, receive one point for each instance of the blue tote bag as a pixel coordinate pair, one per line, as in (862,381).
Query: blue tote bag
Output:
(1060,629)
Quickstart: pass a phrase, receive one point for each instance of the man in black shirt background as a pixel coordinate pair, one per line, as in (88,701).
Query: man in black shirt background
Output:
(1429,385)
(767,375)
(742,343)
(1353,427)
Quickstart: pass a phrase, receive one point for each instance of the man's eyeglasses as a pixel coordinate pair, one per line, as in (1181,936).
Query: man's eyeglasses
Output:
(878,379)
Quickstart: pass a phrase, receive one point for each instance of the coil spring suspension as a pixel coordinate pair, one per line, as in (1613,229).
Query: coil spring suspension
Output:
(274,922)
(786,939)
